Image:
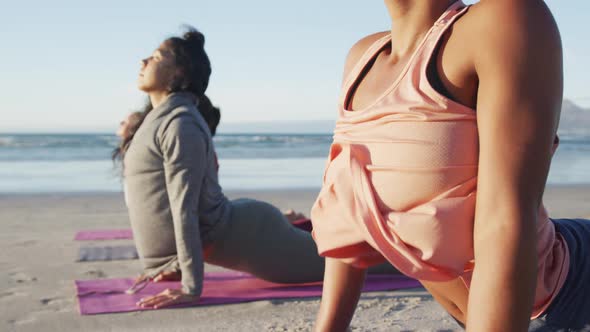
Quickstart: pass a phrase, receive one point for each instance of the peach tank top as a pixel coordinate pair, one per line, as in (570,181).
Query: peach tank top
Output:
(400,182)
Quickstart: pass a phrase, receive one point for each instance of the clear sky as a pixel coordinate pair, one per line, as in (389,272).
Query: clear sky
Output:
(72,65)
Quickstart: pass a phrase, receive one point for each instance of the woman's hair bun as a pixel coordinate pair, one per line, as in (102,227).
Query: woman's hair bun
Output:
(193,36)
(191,61)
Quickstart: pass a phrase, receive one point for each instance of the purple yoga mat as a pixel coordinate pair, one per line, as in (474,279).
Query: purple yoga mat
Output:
(104,234)
(103,296)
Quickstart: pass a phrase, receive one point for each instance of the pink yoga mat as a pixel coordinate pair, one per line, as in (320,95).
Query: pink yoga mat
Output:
(104,234)
(103,296)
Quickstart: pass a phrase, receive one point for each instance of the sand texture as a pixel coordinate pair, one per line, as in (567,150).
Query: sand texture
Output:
(38,267)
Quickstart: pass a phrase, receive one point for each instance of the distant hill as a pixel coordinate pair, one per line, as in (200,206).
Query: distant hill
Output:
(575,120)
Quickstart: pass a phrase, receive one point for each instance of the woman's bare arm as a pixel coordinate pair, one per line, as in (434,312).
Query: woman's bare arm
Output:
(342,288)
(518,59)
(342,282)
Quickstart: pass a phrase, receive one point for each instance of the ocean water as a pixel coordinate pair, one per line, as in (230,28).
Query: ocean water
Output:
(31,163)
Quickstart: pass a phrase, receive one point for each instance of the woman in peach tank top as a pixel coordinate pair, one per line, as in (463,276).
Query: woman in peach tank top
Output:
(453,103)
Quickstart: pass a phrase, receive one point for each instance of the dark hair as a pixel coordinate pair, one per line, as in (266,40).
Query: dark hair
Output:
(135,120)
(210,113)
(192,62)
(194,70)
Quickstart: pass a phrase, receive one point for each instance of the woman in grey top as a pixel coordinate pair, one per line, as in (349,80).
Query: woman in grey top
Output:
(179,214)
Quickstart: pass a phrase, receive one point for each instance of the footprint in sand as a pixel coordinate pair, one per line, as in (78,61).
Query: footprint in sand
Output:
(10,294)
(22,278)
(55,301)
(95,273)
(57,304)
(404,304)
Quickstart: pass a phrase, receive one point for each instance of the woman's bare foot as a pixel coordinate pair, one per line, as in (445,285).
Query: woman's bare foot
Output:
(292,216)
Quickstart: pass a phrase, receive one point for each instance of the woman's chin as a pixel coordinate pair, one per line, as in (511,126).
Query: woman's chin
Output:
(148,88)
(142,87)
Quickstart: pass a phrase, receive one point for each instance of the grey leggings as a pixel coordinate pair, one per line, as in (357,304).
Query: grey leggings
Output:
(258,239)
(570,310)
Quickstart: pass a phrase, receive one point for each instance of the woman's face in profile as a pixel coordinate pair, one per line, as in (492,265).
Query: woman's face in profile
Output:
(123,130)
(157,71)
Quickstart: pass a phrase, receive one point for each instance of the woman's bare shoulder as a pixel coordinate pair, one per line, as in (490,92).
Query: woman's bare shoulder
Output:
(493,31)
(359,48)
(508,20)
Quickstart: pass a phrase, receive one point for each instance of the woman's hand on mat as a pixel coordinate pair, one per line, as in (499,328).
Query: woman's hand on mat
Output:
(139,278)
(167,298)
(168,276)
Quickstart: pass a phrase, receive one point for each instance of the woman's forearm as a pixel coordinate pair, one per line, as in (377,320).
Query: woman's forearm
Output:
(342,289)
(503,284)
(191,261)
(183,148)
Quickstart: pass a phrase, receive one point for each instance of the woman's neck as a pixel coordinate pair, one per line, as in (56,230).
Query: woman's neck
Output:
(158,97)
(411,20)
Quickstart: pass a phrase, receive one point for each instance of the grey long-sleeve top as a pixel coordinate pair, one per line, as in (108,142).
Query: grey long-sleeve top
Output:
(174,199)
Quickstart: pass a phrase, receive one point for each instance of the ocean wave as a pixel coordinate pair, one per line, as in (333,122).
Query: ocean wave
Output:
(15,147)
(57,141)
(7,141)
(99,146)
(270,140)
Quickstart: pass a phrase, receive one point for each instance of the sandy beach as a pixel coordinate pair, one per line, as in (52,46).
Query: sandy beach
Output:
(38,263)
